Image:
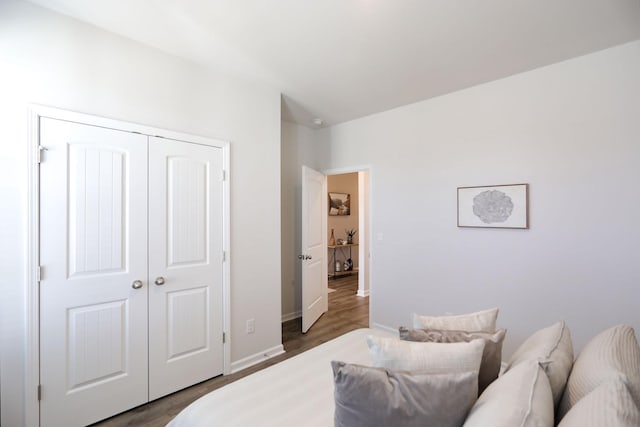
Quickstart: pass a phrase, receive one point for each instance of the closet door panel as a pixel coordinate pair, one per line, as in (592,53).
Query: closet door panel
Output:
(185,265)
(93,247)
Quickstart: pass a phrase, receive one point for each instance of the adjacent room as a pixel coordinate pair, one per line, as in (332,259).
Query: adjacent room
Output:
(206,205)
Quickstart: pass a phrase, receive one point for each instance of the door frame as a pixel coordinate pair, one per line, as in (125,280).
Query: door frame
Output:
(365,201)
(32,273)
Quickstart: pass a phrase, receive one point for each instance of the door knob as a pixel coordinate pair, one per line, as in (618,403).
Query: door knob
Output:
(137,284)
(304,257)
(159,281)
(300,256)
(307,257)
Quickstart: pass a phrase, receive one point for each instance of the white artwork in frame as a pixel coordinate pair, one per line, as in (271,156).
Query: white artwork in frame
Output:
(494,206)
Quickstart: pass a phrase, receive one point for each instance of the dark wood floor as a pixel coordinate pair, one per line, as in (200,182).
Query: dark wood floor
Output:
(346,313)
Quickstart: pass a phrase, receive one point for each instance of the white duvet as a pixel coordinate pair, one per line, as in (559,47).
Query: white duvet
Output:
(295,392)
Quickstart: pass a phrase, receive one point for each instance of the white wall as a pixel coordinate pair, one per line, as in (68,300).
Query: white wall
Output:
(570,130)
(49,59)
(300,146)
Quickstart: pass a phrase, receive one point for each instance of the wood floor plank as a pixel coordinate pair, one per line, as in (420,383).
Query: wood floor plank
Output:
(346,313)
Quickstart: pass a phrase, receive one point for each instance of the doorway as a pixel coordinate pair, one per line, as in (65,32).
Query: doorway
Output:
(355,285)
(348,253)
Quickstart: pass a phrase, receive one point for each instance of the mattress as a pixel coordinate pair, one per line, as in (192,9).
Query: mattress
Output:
(295,392)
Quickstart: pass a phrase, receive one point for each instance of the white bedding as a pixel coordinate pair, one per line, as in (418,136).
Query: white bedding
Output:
(295,392)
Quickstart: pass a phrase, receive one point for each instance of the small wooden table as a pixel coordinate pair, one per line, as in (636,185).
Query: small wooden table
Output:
(335,248)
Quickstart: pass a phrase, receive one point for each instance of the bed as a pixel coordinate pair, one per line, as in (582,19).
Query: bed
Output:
(540,376)
(297,391)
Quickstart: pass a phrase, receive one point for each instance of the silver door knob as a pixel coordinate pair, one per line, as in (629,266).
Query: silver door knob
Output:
(137,284)
(159,281)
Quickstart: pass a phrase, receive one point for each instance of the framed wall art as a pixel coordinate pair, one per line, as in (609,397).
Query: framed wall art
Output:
(339,204)
(494,206)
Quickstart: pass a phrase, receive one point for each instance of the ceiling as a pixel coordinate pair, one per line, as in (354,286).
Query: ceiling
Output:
(339,60)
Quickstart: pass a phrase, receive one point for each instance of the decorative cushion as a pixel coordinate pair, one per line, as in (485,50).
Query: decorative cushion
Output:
(491,355)
(435,358)
(553,347)
(484,321)
(521,397)
(610,355)
(366,396)
(610,404)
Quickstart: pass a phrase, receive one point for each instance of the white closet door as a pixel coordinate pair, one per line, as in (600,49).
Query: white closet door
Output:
(185,265)
(93,249)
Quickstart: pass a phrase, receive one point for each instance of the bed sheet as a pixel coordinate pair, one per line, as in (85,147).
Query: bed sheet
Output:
(295,392)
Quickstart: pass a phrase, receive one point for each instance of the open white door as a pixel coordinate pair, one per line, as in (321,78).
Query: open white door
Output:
(314,247)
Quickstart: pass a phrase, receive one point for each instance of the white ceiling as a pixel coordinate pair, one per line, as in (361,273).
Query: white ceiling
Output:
(344,59)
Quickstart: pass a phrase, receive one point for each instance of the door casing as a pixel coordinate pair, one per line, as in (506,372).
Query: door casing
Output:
(32,274)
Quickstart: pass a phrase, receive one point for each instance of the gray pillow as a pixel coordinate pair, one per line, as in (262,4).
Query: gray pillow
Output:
(366,396)
(491,355)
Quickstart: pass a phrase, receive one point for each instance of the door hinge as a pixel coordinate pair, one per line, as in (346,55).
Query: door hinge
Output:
(39,273)
(39,155)
(224,338)
(224,256)
(223,175)
(39,392)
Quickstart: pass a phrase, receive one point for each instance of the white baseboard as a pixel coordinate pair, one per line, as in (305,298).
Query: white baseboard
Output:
(291,316)
(362,293)
(256,358)
(384,328)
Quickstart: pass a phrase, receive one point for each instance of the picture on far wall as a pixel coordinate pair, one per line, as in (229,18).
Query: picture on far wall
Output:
(339,204)
(494,206)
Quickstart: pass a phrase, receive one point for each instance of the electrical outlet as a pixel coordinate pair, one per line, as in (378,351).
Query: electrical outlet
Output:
(251,326)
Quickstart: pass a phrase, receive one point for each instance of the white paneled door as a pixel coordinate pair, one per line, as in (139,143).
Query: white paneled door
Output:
(185,265)
(314,247)
(93,252)
(131,261)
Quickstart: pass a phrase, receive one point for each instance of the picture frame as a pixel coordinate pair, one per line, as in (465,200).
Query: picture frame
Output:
(494,206)
(339,204)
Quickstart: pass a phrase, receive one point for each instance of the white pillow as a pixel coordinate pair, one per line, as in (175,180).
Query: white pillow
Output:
(484,321)
(521,397)
(610,404)
(433,358)
(612,354)
(553,347)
